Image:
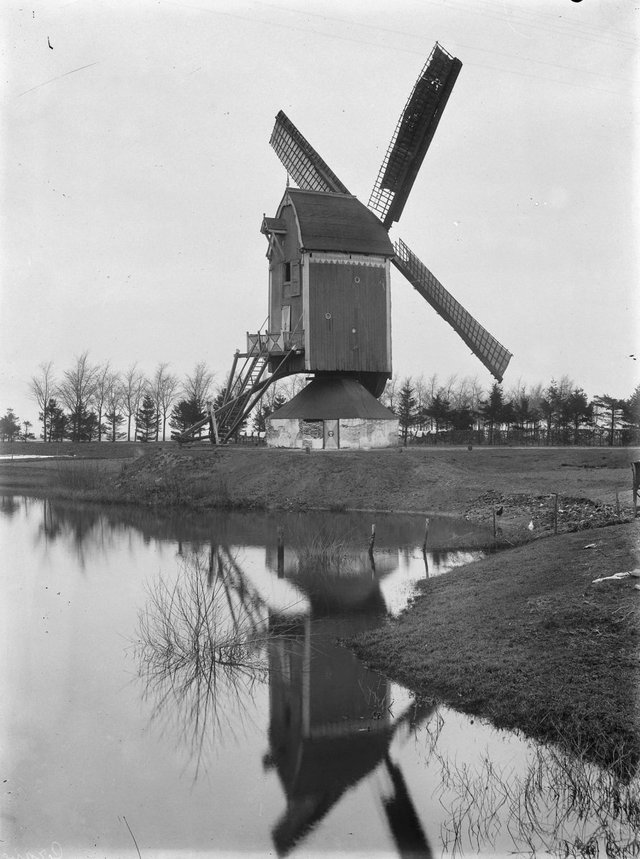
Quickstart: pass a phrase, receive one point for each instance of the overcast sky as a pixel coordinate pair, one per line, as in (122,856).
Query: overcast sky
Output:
(137,168)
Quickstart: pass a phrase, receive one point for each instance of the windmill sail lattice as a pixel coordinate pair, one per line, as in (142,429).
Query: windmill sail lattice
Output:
(493,354)
(413,135)
(301,161)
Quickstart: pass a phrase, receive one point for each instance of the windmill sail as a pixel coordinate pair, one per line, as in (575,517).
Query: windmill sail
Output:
(300,159)
(493,354)
(413,135)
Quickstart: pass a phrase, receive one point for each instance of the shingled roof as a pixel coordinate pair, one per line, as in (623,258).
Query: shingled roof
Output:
(338,222)
(332,397)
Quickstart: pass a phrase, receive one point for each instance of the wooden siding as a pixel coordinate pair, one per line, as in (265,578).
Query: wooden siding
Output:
(286,249)
(347,316)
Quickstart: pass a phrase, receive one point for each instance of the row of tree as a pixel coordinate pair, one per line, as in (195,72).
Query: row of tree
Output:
(95,402)
(92,402)
(560,413)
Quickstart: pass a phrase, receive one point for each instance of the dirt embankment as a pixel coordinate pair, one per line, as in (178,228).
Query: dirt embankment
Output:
(518,486)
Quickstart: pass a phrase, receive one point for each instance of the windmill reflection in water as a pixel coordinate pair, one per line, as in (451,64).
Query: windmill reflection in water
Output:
(206,639)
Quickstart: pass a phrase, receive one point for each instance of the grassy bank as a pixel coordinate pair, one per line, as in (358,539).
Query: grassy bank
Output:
(438,480)
(81,471)
(518,486)
(524,638)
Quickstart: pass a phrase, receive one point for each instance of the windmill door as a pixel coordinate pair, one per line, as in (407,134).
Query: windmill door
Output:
(331,437)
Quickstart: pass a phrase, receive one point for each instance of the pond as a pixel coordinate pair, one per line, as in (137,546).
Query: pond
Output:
(172,686)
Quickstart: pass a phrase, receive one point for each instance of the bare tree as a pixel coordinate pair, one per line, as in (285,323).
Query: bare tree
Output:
(390,394)
(103,383)
(42,387)
(198,386)
(535,392)
(449,387)
(76,390)
(164,386)
(114,401)
(433,385)
(565,386)
(292,385)
(461,394)
(421,393)
(517,391)
(476,393)
(133,384)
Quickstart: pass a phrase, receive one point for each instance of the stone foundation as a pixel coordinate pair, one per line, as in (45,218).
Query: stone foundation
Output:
(353,433)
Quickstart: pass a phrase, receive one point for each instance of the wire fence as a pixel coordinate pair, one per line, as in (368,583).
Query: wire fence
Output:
(596,437)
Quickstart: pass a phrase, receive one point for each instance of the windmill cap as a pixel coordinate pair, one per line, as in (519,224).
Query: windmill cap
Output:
(337,222)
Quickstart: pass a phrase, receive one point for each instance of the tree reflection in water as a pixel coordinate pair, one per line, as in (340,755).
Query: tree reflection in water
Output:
(557,803)
(8,506)
(201,648)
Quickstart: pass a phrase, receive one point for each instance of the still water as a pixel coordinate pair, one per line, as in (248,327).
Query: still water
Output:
(171,686)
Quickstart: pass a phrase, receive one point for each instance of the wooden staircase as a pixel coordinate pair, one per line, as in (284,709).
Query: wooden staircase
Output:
(247,382)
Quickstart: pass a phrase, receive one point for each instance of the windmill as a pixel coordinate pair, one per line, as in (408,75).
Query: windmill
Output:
(329,276)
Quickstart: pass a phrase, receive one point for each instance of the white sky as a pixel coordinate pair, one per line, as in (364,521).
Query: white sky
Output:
(136,170)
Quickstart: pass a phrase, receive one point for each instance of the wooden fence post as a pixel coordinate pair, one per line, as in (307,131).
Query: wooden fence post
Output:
(635,471)
(426,535)
(372,539)
(424,547)
(280,552)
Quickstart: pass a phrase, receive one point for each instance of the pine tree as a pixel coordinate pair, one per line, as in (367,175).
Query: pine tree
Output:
(56,421)
(615,409)
(492,410)
(113,419)
(83,424)
(578,410)
(632,408)
(439,411)
(461,419)
(146,420)
(406,409)
(525,415)
(549,407)
(185,414)
(9,426)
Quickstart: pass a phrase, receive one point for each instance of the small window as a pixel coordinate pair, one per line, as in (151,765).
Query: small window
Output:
(287,272)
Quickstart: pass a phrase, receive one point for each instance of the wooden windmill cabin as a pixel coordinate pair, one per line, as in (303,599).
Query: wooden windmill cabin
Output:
(329,272)
(329,300)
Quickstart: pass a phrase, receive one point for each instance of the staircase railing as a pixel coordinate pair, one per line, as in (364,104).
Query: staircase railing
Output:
(244,390)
